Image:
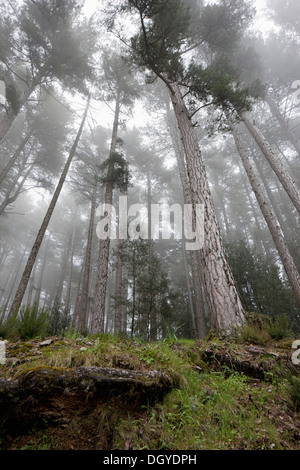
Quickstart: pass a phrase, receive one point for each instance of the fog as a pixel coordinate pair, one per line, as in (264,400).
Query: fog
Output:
(91,113)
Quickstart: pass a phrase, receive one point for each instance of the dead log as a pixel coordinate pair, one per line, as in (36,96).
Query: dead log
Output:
(24,400)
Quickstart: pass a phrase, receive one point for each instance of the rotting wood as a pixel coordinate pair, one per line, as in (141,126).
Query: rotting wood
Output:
(24,400)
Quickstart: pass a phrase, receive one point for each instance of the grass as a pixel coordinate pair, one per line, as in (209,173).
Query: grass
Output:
(211,406)
(214,412)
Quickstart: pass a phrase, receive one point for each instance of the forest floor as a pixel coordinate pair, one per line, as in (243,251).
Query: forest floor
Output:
(215,394)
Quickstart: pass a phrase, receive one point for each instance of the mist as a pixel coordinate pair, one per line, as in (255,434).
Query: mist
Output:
(96,105)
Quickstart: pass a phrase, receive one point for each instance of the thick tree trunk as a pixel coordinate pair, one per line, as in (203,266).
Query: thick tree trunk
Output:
(283,175)
(40,236)
(222,296)
(198,314)
(104,245)
(274,228)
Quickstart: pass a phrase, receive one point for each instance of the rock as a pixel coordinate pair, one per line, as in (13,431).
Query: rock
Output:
(47,342)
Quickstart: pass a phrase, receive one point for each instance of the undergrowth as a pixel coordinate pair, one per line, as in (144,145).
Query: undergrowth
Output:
(211,406)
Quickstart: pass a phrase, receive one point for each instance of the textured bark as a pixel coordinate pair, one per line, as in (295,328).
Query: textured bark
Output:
(271,221)
(40,236)
(104,245)
(222,296)
(198,314)
(280,170)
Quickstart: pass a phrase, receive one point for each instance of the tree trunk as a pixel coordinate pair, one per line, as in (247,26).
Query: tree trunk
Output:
(222,296)
(274,228)
(198,314)
(83,308)
(14,158)
(71,257)
(10,117)
(119,289)
(275,163)
(9,198)
(283,124)
(38,241)
(41,275)
(104,245)
(283,225)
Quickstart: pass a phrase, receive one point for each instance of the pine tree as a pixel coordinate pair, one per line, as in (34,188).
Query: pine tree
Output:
(122,89)
(40,236)
(159,47)
(45,45)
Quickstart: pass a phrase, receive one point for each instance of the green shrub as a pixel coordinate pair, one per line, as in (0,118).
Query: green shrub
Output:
(8,329)
(32,322)
(295,391)
(59,320)
(279,328)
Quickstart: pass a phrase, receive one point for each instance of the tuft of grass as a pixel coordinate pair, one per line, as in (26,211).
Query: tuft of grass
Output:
(254,334)
(279,328)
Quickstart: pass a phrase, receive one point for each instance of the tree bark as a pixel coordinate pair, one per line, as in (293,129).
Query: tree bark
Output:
(198,314)
(38,241)
(275,163)
(222,296)
(104,245)
(271,221)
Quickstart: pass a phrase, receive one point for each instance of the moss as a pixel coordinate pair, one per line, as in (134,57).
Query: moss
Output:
(19,349)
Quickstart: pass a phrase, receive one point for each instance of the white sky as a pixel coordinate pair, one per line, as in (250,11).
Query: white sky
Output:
(261,22)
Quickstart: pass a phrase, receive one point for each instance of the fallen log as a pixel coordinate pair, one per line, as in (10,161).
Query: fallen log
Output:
(22,399)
